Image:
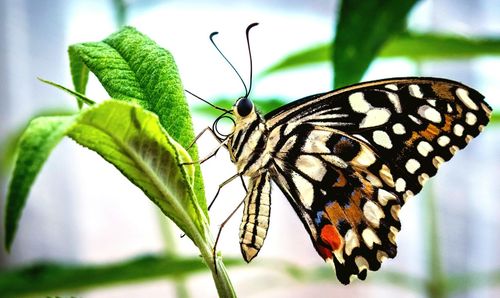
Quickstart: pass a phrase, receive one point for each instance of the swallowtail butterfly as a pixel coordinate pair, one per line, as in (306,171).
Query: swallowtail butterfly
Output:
(347,161)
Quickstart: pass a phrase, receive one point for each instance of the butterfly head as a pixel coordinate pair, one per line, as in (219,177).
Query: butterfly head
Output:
(243,107)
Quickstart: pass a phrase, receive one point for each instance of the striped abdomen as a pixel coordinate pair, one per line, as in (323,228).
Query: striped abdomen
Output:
(255,221)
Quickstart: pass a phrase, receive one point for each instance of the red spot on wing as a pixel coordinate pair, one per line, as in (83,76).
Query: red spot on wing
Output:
(331,237)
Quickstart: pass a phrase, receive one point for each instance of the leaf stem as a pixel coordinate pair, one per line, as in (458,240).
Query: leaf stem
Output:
(220,276)
(436,284)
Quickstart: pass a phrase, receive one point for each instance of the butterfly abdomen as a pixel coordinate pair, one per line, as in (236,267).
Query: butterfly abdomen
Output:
(255,221)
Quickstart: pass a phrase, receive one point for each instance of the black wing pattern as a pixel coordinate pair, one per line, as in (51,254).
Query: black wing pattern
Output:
(347,160)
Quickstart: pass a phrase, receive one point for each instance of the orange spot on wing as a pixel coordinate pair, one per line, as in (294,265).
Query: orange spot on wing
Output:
(442,90)
(331,236)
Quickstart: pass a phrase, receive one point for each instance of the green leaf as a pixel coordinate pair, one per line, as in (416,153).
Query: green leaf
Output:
(362,29)
(51,279)
(79,73)
(35,145)
(10,141)
(133,140)
(132,67)
(80,97)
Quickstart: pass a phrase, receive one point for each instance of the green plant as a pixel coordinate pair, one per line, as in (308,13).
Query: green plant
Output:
(142,131)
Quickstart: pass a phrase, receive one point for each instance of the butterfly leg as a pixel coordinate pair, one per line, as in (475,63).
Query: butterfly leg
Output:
(208,128)
(220,187)
(222,144)
(220,230)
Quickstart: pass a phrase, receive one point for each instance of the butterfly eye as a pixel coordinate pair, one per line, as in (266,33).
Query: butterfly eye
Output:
(244,106)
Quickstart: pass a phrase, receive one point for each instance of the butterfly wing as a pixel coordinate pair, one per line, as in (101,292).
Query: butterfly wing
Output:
(373,145)
(342,192)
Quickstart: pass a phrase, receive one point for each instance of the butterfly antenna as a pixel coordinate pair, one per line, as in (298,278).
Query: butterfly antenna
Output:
(209,103)
(220,52)
(250,56)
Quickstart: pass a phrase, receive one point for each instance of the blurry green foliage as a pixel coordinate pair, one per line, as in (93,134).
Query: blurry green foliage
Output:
(409,45)
(362,29)
(51,279)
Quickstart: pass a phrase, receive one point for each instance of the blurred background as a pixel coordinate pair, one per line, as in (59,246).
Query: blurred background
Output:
(82,211)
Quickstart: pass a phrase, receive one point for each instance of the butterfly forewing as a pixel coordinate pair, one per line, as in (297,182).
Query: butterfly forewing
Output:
(414,124)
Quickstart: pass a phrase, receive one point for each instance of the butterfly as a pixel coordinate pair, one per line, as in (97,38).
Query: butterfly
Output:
(347,161)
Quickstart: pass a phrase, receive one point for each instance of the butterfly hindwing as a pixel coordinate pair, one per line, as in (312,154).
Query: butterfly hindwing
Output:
(348,208)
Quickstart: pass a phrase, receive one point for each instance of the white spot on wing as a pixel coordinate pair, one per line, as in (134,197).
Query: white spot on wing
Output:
(424,148)
(415,119)
(400,184)
(443,141)
(408,194)
(429,113)
(486,109)
(395,211)
(358,102)
(351,241)
(422,178)
(375,117)
(364,158)
(374,180)
(392,234)
(463,95)
(382,138)
(361,263)
(458,130)
(316,141)
(311,166)
(437,161)
(392,87)
(385,174)
(399,129)
(470,118)
(415,91)
(373,213)
(369,237)
(384,196)
(381,256)
(306,189)
(335,160)
(412,165)
(393,97)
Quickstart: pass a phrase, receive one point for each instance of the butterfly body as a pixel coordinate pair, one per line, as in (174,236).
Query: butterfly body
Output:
(347,161)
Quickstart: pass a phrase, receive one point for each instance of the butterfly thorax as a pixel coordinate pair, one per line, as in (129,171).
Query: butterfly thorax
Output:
(247,144)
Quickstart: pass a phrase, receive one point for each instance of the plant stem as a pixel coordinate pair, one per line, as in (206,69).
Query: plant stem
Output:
(166,226)
(436,284)
(220,276)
